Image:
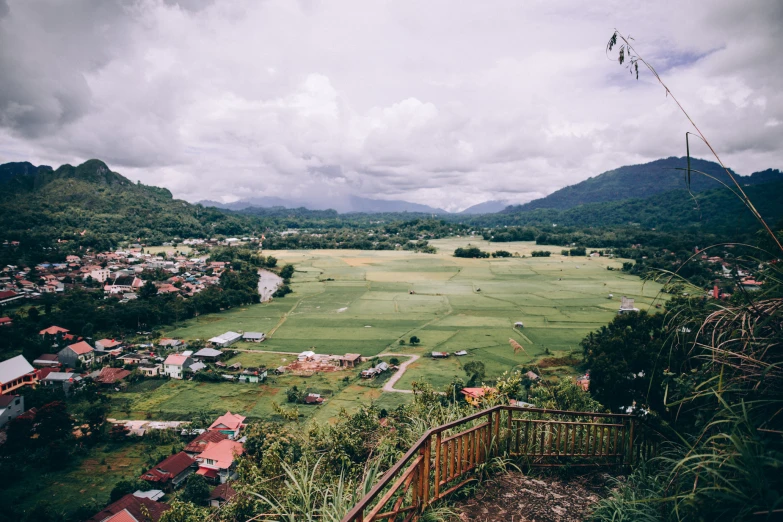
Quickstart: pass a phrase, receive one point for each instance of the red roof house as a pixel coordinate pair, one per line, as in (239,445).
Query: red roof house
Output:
(199,444)
(133,506)
(218,460)
(111,375)
(172,471)
(53,330)
(230,424)
(6,321)
(72,353)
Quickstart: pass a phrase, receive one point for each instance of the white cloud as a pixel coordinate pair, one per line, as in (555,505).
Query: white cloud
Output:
(444,103)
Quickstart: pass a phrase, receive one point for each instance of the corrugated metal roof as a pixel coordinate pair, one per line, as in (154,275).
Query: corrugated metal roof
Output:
(14,368)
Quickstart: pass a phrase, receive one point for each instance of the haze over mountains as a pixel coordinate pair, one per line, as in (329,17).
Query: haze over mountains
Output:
(631,181)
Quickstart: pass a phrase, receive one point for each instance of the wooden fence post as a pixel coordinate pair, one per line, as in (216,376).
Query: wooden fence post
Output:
(437,465)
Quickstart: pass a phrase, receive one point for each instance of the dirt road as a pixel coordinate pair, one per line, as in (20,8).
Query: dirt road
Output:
(389,386)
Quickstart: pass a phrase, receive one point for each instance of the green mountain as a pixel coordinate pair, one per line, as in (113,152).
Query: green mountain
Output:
(717,211)
(642,181)
(91,198)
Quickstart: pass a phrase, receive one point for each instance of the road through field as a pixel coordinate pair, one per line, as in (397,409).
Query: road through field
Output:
(389,386)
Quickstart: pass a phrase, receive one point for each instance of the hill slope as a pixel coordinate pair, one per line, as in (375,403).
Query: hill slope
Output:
(61,203)
(641,181)
(718,211)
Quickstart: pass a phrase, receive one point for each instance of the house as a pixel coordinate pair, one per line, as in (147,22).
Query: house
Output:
(175,365)
(15,373)
(226,339)
(230,424)
(131,358)
(172,471)
(254,375)
(78,352)
(473,395)
(313,398)
(199,444)
(220,495)
(307,355)
(440,355)
(141,509)
(519,324)
(152,370)
(98,274)
(626,306)
(6,321)
(218,460)
(196,367)
(377,370)
(349,360)
(253,337)
(64,379)
(106,345)
(461,353)
(584,382)
(53,330)
(170,343)
(152,494)
(110,376)
(11,406)
(533,376)
(8,296)
(207,354)
(47,360)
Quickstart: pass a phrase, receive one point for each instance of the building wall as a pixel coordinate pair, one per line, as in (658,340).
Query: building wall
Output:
(13,410)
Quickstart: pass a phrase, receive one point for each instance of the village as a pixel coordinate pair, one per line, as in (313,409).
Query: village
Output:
(119,274)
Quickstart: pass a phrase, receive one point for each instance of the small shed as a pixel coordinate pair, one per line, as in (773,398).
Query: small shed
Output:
(440,355)
(519,324)
(349,360)
(254,337)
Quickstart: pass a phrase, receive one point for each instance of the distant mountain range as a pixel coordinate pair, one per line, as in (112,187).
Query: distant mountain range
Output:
(488,207)
(343,205)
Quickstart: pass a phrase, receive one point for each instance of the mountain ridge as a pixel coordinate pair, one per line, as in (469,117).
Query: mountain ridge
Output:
(641,181)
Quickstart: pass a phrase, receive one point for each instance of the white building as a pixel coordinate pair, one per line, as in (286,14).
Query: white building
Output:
(175,365)
(226,339)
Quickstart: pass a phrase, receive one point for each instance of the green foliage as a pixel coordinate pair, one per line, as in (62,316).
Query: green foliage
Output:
(501,253)
(624,359)
(196,490)
(414,340)
(470,252)
(541,253)
(125,487)
(476,372)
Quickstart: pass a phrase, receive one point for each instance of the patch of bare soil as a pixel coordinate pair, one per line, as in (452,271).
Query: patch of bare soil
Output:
(516,497)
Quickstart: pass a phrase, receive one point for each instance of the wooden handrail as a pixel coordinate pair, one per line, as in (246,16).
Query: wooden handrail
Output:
(472,447)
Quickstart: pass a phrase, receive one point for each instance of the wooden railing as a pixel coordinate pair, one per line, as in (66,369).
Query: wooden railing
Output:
(446,458)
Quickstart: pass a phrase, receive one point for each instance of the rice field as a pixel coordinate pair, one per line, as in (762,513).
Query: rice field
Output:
(366,302)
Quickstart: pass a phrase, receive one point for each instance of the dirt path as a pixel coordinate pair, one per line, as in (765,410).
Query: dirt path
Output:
(389,386)
(516,497)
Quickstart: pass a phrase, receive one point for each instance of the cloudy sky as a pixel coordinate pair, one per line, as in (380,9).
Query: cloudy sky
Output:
(443,102)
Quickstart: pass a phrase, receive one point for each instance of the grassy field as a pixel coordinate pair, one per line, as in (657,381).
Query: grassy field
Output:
(88,480)
(365,302)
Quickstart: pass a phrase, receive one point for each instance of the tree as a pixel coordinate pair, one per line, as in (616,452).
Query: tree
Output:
(623,357)
(414,340)
(196,489)
(401,342)
(148,291)
(95,417)
(125,487)
(53,423)
(475,371)
(287,271)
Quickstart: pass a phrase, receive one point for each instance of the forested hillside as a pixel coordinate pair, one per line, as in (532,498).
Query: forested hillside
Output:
(642,181)
(92,201)
(718,211)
